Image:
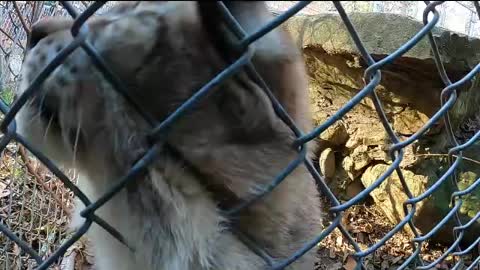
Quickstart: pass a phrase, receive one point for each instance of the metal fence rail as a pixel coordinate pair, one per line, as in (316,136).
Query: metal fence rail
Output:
(372,78)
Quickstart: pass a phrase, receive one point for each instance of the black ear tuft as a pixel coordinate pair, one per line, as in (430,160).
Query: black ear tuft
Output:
(242,102)
(214,24)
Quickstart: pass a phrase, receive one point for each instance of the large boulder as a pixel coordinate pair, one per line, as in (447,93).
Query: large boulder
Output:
(410,94)
(390,193)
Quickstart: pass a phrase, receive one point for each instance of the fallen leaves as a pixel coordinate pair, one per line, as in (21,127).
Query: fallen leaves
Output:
(32,205)
(368,226)
(4,191)
(351,263)
(78,256)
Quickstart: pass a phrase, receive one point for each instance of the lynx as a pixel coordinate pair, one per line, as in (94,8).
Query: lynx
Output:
(223,151)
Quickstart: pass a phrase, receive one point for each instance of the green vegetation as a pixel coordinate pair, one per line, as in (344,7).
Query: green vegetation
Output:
(7,95)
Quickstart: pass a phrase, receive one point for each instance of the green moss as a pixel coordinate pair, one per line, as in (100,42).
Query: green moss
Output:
(18,172)
(7,95)
(471,202)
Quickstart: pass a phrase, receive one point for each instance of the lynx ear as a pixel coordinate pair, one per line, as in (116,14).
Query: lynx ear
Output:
(277,58)
(251,15)
(243,104)
(210,15)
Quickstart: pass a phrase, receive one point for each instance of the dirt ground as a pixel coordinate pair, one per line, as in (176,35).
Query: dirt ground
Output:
(368,225)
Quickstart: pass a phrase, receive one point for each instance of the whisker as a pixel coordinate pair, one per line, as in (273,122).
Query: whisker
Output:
(75,144)
(34,117)
(46,129)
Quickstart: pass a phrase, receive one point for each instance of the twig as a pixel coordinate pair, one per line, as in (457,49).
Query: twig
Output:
(39,179)
(4,51)
(11,38)
(20,17)
(68,261)
(446,155)
(34,8)
(36,11)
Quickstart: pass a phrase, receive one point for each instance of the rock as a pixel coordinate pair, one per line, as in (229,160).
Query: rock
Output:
(360,158)
(348,165)
(410,158)
(329,31)
(409,93)
(378,153)
(354,188)
(356,161)
(367,135)
(339,182)
(326,41)
(438,205)
(409,121)
(390,195)
(335,134)
(327,163)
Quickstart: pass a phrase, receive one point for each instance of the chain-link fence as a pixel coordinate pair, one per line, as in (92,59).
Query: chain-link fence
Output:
(33,203)
(50,255)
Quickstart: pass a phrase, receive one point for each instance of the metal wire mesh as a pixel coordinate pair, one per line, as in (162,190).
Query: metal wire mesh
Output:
(372,79)
(32,203)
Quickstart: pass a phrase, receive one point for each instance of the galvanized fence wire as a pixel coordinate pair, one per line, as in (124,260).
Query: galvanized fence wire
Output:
(372,79)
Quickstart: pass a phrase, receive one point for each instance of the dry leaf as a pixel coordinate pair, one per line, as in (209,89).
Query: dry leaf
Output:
(361,237)
(331,253)
(4,192)
(351,263)
(16,249)
(385,265)
(397,259)
(368,228)
(336,266)
(339,240)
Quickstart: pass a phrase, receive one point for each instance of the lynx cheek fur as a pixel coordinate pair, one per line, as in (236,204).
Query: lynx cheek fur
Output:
(231,143)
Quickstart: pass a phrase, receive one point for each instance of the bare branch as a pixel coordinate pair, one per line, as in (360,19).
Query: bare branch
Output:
(68,262)
(37,11)
(20,17)
(11,38)
(446,155)
(3,50)
(32,18)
